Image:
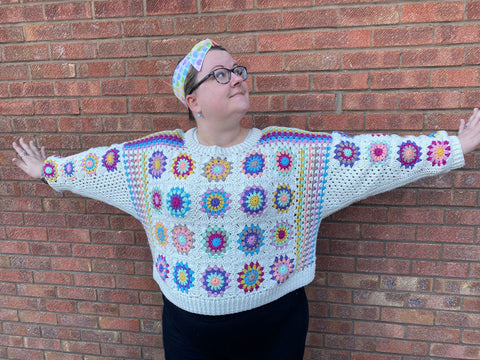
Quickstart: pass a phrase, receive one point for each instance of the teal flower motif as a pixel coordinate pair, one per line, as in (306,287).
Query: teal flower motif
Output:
(281,269)
(254,164)
(283,198)
(347,153)
(178,202)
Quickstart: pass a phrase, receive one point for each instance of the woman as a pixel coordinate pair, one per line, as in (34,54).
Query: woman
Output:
(232,214)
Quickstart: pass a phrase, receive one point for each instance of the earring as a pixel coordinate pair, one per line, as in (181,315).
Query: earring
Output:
(199,115)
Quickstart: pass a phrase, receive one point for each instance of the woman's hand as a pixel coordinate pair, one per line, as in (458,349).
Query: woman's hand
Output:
(30,159)
(469,132)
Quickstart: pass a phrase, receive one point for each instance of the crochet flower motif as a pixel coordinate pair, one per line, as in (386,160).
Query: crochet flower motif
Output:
(50,171)
(379,153)
(250,277)
(178,202)
(110,159)
(183,166)
(69,170)
(347,153)
(281,269)
(157,199)
(156,164)
(183,277)
(438,152)
(162,267)
(254,164)
(284,161)
(253,200)
(251,240)
(216,241)
(90,164)
(182,239)
(161,234)
(215,280)
(217,169)
(215,202)
(280,234)
(283,198)
(409,154)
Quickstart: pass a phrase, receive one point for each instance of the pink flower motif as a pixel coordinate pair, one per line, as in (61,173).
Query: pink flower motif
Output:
(438,152)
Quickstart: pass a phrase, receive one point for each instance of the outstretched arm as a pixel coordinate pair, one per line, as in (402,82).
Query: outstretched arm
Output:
(31,159)
(469,132)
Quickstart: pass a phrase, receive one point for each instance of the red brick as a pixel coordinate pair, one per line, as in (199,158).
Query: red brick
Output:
(314,18)
(450,269)
(451,34)
(120,8)
(56,107)
(159,7)
(53,71)
(204,24)
(68,11)
(371,59)
(11,34)
(255,22)
(402,347)
(370,101)
(122,49)
(445,56)
(125,87)
(38,317)
(313,62)
(20,14)
(379,329)
(403,36)
(101,69)
(432,12)
(103,106)
(73,51)
(323,102)
(16,107)
(47,32)
(152,68)
(148,27)
(433,334)
(108,30)
(455,351)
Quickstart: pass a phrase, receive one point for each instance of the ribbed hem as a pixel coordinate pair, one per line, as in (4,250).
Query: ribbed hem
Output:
(231,305)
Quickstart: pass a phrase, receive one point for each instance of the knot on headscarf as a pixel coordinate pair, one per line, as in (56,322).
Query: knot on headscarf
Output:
(194,58)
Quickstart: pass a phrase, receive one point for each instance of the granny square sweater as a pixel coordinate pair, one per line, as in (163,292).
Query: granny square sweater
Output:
(231,229)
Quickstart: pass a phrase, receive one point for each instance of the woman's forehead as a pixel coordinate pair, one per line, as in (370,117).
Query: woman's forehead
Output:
(215,59)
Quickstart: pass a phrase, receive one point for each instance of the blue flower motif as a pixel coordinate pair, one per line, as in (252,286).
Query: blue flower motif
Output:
(253,200)
(215,280)
(283,198)
(178,202)
(183,277)
(251,240)
(254,164)
(69,170)
(216,241)
(215,202)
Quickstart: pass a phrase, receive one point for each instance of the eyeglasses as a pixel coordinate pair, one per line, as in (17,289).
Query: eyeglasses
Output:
(223,75)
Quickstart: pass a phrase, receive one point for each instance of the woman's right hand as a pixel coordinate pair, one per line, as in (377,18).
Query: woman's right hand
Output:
(30,159)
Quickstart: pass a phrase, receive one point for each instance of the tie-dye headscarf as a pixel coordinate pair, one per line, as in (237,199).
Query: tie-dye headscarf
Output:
(195,58)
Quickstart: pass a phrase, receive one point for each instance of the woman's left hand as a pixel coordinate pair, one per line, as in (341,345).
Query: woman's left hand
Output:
(30,159)
(469,132)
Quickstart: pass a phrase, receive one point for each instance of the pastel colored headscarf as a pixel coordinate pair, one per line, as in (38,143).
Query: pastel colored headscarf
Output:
(194,58)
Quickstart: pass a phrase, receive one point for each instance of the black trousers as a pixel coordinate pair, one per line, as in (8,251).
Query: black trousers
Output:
(276,331)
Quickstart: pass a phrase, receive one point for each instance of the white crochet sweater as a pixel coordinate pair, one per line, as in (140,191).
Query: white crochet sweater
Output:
(231,229)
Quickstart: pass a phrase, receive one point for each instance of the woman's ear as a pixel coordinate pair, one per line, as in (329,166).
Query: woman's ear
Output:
(192,103)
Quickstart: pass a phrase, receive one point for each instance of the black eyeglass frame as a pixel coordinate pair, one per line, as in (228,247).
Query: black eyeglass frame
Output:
(244,75)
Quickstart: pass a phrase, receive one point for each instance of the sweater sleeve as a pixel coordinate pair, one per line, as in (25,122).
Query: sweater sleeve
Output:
(97,173)
(365,165)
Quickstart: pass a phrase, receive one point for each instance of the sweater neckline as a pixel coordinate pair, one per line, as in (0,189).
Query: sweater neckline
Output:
(192,143)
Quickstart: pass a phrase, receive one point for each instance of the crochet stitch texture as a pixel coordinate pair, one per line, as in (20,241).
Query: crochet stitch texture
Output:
(231,229)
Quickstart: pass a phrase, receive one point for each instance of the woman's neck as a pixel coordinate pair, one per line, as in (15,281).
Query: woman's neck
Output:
(221,137)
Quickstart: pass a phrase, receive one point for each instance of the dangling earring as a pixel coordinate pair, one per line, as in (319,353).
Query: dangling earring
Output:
(199,115)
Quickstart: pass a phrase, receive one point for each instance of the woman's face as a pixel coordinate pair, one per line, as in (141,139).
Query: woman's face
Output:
(221,101)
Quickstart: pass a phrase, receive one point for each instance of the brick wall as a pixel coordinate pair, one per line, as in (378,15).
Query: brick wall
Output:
(398,274)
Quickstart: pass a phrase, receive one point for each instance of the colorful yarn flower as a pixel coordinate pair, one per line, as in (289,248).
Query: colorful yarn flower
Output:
(250,277)
(254,164)
(253,200)
(347,153)
(182,239)
(215,280)
(284,161)
(90,164)
(161,234)
(183,166)
(178,202)
(251,240)
(281,269)
(217,169)
(379,153)
(156,164)
(216,241)
(69,170)
(438,152)
(50,172)
(409,154)
(215,202)
(282,198)
(162,267)
(183,276)
(157,199)
(280,234)
(110,159)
